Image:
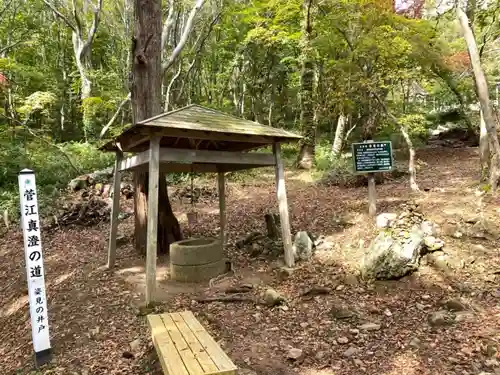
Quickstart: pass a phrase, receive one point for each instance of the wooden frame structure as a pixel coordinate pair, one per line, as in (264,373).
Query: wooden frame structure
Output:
(195,139)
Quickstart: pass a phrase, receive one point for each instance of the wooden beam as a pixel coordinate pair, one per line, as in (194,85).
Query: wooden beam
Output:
(214,136)
(222,207)
(152,230)
(135,161)
(283,207)
(215,157)
(135,136)
(115,210)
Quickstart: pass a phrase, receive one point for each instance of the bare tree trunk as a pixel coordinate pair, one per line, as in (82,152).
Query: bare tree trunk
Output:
(411,161)
(82,47)
(484,147)
(483,96)
(339,136)
(146,102)
(411,149)
(305,159)
(188,27)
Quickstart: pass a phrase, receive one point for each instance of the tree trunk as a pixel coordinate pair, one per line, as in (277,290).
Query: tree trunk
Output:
(412,171)
(411,149)
(146,102)
(307,144)
(483,96)
(339,136)
(484,147)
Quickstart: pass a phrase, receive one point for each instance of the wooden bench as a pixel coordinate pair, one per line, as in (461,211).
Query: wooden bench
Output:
(186,348)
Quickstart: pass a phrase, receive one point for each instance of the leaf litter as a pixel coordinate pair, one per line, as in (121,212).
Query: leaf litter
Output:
(98,326)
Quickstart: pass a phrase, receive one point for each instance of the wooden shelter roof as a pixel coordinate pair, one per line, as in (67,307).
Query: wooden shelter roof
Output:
(199,128)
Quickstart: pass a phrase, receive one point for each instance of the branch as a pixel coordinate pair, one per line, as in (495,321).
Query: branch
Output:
(115,116)
(5,49)
(185,35)
(24,124)
(4,9)
(79,29)
(60,15)
(169,87)
(198,51)
(349,132)
(167,27)
(95,23)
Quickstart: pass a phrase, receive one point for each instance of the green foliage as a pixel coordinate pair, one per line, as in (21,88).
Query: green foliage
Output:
(52,168)
(417,125)
(38,102)
(323,159)
(245,61)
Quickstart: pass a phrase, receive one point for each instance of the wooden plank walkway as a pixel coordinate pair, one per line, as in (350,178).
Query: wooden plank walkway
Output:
(186,348)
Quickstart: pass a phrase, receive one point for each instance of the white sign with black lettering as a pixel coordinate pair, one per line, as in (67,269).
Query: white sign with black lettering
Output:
(34,266)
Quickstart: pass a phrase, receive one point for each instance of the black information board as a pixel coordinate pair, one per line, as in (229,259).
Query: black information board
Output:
(372,156)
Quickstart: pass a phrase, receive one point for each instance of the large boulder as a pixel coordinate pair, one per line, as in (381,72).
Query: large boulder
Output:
(303,246)
(392,257)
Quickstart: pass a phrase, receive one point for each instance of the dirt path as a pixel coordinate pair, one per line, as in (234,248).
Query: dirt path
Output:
(95,314)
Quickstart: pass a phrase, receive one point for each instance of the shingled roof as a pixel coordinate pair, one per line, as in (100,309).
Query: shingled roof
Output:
(197,127)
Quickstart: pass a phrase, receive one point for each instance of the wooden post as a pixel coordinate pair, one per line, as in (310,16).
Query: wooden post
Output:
(372,195)
(283,207)
(222,207)
(115,210)
(152,230)
(372,192)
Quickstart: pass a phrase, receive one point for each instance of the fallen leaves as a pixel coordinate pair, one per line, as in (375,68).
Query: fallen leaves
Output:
(331,319)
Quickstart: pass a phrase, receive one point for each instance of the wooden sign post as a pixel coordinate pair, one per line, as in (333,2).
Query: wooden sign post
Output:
(371,157)
(30,222)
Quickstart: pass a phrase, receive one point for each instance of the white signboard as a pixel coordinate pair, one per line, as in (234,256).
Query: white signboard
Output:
(34,266)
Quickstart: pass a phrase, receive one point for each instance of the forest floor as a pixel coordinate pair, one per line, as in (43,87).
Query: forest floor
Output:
(97,324)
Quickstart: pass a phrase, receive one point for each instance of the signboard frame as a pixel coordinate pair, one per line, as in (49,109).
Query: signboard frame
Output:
(35,274)
(354,153)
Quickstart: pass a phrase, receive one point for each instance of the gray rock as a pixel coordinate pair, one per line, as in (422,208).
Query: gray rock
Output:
(295,354)
(79,183)
(340,312)
(385,220)
(370,327)
(388,258)
(343,340)
(432,243)
(429,228)
(320,355)
(455,305)
(285,272)
(420,306)
(351,351)
(415,343)
(273,298)
(303,246)
(135,345)
(439,318)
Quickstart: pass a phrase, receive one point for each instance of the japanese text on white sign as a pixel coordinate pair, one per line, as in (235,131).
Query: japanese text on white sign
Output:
(34,261)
